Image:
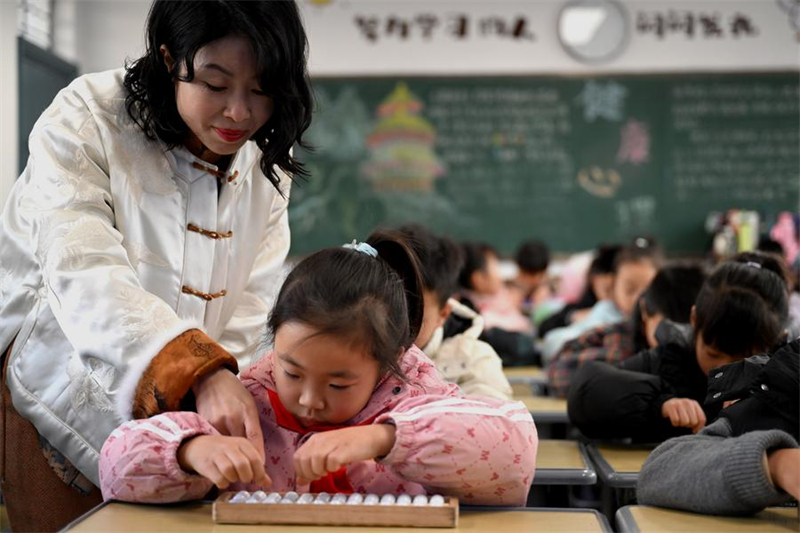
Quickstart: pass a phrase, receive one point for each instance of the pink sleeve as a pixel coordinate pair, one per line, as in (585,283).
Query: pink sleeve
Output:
(481,450)
(139,460)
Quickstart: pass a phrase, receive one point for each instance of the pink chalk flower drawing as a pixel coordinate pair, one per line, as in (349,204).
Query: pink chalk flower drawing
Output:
(634,143)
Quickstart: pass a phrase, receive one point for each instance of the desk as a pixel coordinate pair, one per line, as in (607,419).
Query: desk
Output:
(526,380)
(618,466)
(196,518)
(545,410)
(635,518)
(563,462)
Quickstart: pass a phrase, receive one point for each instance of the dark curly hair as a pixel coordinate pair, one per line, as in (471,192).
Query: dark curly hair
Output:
(275,31)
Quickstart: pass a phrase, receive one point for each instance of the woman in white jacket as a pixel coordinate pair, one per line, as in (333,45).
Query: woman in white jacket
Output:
(141,246)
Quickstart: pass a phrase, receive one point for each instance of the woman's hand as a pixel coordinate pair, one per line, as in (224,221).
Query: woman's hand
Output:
(329,451)
(222,400)
(784,470)
(684,413)
(223,460)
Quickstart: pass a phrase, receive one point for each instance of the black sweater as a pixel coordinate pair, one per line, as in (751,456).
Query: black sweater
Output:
(624,401)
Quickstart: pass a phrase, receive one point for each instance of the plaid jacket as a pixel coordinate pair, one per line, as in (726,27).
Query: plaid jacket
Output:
(611,343)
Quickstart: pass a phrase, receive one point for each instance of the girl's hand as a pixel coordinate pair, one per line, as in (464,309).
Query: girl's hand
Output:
(223,460)
(329,451)
(684,413)
(229,407)
(784,470)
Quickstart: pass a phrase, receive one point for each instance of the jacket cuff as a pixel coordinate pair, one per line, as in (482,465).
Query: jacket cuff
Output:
(746,475)
(172,372)
(404,434)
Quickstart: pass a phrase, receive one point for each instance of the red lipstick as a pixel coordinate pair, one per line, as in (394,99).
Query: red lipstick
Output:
(230,135)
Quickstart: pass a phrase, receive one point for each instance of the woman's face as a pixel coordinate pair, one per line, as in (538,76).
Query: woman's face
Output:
(223,105)
(322,379)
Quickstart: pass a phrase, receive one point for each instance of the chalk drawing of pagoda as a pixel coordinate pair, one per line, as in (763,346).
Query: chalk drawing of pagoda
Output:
(401,146)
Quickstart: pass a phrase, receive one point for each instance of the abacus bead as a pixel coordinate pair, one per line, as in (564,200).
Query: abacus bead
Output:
(371,499)
(420,499)
(305,498)
(387,499)
(259,495)
(240,496)
(273,497)
(355,499)
(339,499)
(404,499)
(323,497)
(290,497)
(436,499)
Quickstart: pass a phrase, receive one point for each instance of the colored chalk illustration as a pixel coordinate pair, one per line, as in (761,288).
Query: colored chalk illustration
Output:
(600,182)
(634,143)
(401,146)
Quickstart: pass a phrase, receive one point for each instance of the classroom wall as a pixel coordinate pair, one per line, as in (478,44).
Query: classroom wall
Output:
(363,37)
(340,45)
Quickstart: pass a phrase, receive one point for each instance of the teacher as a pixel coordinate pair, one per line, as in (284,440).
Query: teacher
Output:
(142,245)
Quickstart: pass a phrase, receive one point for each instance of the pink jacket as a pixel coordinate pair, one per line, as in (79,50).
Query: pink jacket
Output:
(481,450)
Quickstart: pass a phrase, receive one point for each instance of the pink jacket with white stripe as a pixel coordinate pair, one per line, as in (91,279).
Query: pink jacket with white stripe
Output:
(481,450)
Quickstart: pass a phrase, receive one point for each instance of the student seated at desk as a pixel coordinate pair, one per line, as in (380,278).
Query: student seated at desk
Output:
(635,266)
(462,359)
(532,259)
(749,458)
(346,403)
(508,331)
(670,296)
(740,311)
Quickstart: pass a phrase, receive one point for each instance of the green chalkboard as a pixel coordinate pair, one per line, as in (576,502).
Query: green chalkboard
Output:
(573,161)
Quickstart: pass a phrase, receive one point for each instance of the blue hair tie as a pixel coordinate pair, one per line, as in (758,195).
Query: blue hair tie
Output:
(362,247)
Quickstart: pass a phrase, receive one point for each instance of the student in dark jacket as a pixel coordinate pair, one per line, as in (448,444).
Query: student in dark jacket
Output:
(670,296)
(657,394)
(749,458)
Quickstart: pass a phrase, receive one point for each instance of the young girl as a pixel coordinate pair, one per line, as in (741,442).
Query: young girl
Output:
(143,243)
(347,403)
(635,266)
(740,311)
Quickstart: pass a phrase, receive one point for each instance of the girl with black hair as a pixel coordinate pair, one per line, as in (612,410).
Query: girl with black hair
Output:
(741,311)
(347,403)
(142,245)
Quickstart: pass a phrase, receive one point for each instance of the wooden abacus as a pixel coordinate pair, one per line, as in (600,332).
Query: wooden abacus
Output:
(336,510)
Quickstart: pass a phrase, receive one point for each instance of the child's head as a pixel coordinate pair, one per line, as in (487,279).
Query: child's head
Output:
(481,270)
(440,262)
(341,322)
(635,266)
(217,74)
(670,295)
(741,310)
(600,276)
(532,259)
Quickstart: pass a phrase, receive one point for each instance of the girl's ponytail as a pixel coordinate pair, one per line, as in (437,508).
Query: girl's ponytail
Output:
(393,249)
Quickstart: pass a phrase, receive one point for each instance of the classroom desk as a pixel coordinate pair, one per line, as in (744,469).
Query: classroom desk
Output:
(525,374)
(526,380)
(196,518)
(618,466)
(545,410)
(563,462)
(635,519)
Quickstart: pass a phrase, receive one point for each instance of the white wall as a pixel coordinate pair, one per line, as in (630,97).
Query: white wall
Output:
(108,31)
(8,97)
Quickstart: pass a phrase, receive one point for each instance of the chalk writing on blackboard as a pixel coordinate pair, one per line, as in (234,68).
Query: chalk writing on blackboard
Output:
(605,100)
